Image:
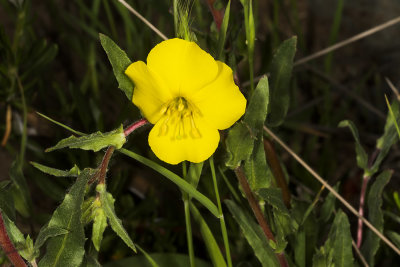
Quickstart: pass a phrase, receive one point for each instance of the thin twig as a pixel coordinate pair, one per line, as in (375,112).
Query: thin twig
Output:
(339,197)
(348,41)
(148,23)
(8,247)
(394,89)
(257,211)
(104,165)
(360,255)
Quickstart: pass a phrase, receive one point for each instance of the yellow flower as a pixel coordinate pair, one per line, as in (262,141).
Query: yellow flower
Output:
(189,96)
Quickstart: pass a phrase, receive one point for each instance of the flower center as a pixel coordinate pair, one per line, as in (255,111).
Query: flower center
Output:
(178,116)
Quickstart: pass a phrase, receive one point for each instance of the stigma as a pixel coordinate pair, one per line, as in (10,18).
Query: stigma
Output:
(178,117)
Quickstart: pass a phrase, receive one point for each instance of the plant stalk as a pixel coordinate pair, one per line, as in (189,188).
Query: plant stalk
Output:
(221,217)
(186,203)
(8,247)
(134,126)
(257,211)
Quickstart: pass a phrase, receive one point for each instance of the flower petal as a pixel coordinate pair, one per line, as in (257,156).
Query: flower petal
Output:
(150,94)
(182,65)
(172,150)
(221,103)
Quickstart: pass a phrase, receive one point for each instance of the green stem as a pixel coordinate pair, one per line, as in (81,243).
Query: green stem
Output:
(221,217)
(186,202)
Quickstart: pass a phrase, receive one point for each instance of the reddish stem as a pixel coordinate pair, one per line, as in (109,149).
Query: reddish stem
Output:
(257,211)
(104,164)
(8,246)
(134,126)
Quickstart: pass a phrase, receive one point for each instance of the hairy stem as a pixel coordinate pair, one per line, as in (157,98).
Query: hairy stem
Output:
(104,165)
(134,126)
(257,211)
(8,247)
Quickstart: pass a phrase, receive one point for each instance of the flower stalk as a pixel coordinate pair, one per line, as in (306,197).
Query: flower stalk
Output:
(221,215)
(8,247)
(257,211)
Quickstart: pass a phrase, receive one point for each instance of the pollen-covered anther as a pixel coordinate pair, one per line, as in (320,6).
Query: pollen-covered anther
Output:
(179,115)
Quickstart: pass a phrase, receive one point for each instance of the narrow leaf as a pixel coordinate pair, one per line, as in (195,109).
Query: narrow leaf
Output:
(95,141)
(212,246)
(7,203)
(281,71)
(375,216)
(107,202)
(48,232)
(362,158)
(223,30)
(73,172)
(119,62)
(99,225)
(68,249)
(254,235)
(19,189)
(182,184)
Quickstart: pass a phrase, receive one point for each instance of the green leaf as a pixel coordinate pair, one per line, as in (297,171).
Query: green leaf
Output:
(24,246)
(99,225)
(241,137)
(281,71)
(194,173)
(389,138)
(19,189)
(48,232)
(73,172)
(7,203)
(60,124)
(257,172)
(300,248)
(223,30)
(375,216)
(163,260)
(68,249)
(107,203)
(119,62)
(328,206)
(338,247)
(254,235)
(362,157)
(212,246)
(95,141)
(395,237)
(181,183)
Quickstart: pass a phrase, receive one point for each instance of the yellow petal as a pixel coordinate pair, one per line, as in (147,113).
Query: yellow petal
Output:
(182,65)
(150,93)
(193,146)
(221,103)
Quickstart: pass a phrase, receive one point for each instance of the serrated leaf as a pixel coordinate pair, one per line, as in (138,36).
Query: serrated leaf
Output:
(107,203)
(241,137)
(99,225)
(73,172)
(362,157)
(281,71)
(68,249)
(48,232)
(375,216)
(254,235)
(212,246)
(256,169)
(95,141)
(119,62)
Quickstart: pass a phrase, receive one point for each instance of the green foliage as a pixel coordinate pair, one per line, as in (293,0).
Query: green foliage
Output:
(67,249)
(107,203)
(337,250)
(254,235)
(119,62)
(281,71)
(73,172)
(375,216)
(19,190)
(223,30)
(362,157)
(95,141)
(242,136)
